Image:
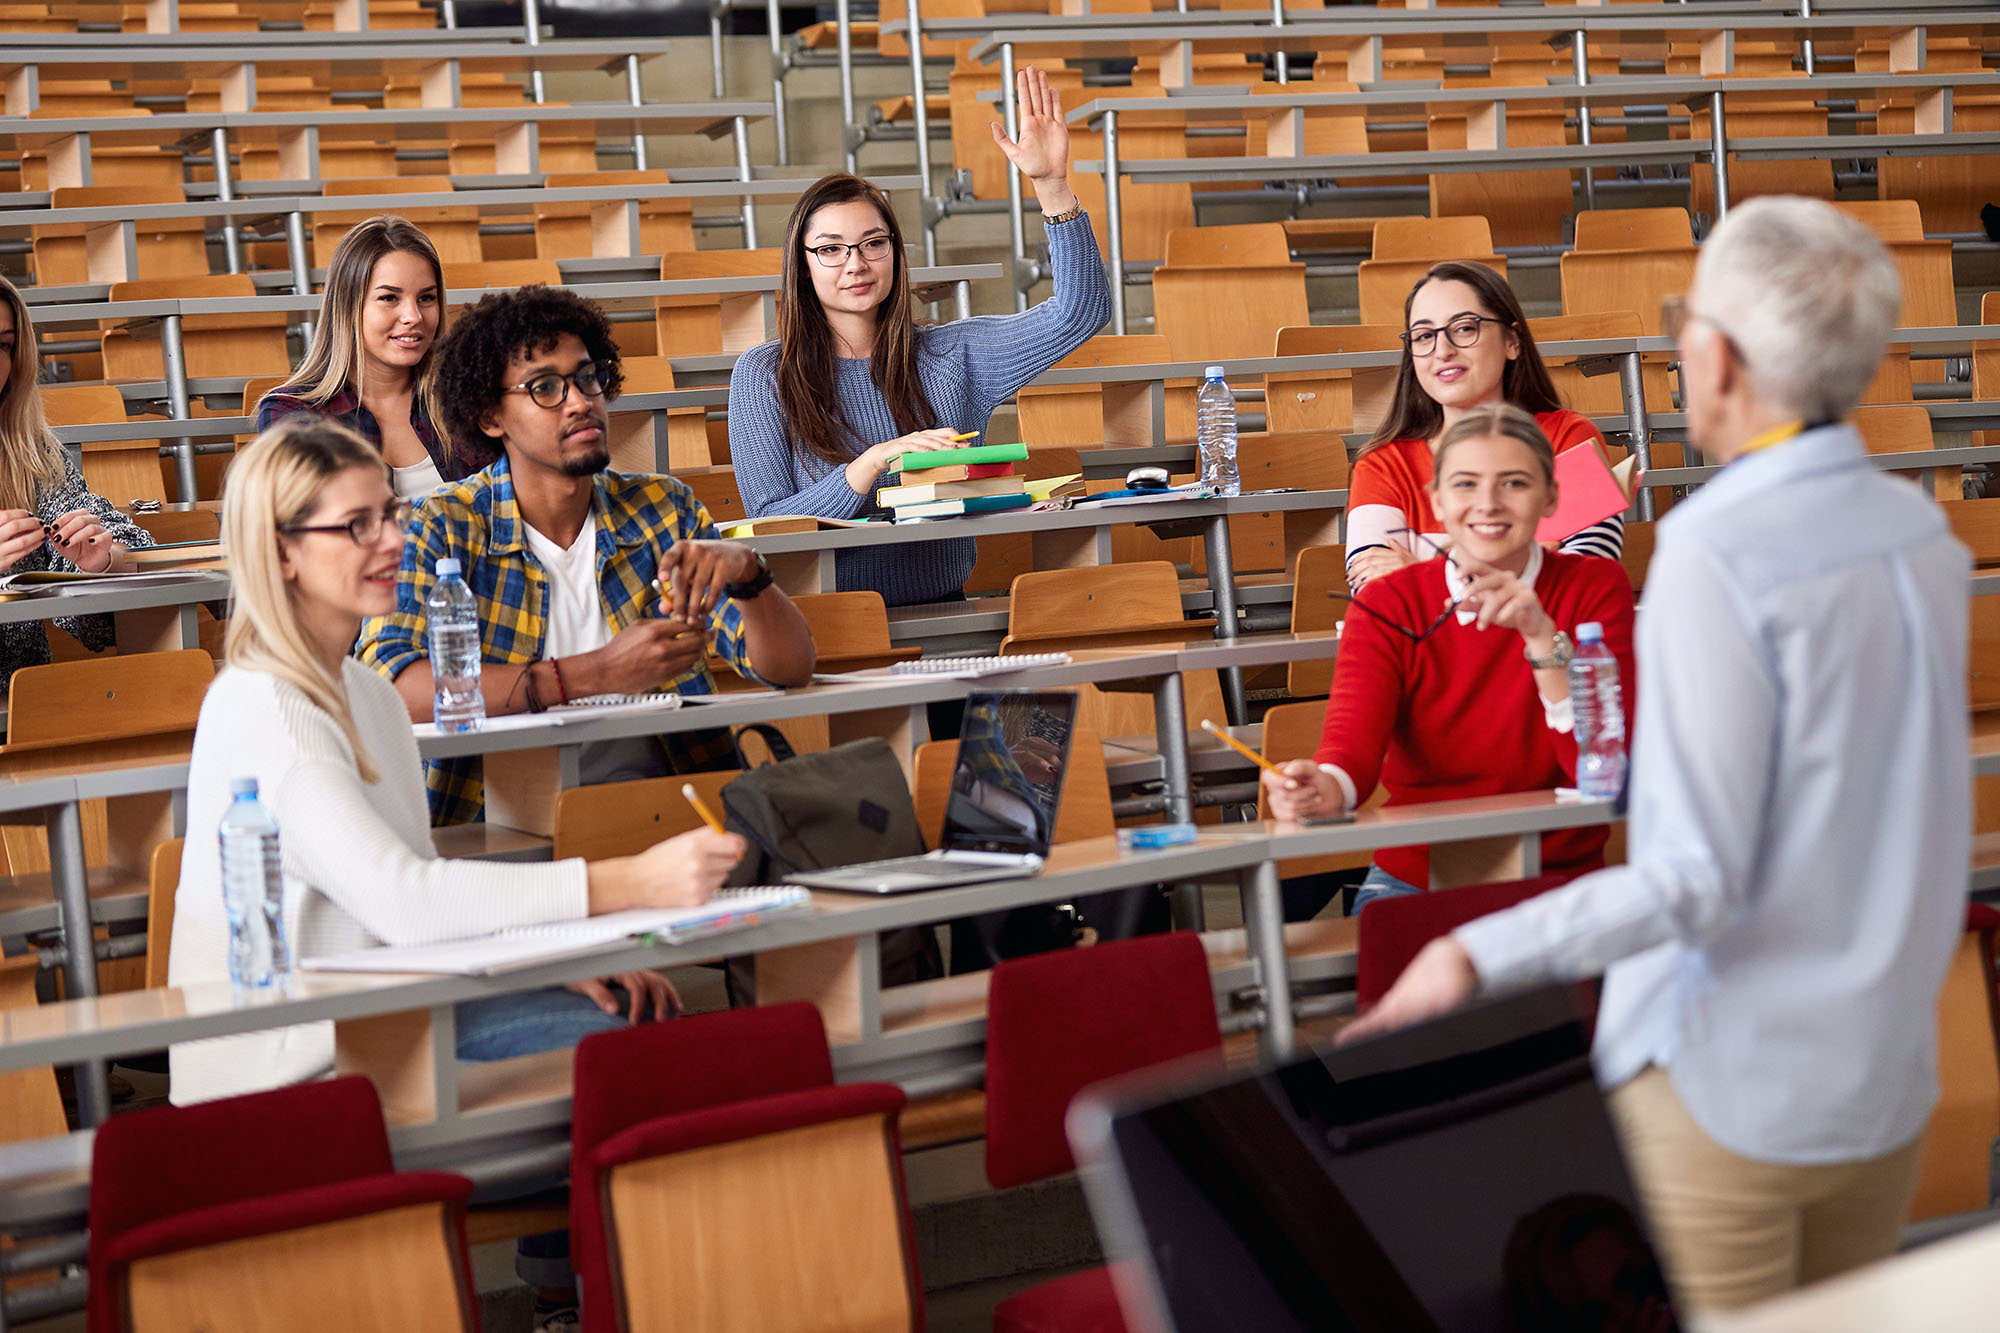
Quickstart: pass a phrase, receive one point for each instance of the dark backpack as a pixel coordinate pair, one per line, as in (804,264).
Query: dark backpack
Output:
(818,811)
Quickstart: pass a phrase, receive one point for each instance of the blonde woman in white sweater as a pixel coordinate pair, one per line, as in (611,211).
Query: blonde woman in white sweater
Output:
(315,538)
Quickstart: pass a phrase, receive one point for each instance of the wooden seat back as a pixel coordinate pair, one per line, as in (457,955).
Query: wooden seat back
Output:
(1341,400)
(1603,395)
(578,231)
(715,487)
(1224,292)
(1083,810)
(1950,190)
(850,630)
(119,470)
(501,274)
(1320,574)
(635,438)
(1088,415)
(1902,429)
(1244,245)
(1637,280)
(213,345)
(70,252)
(714,324)
(1637,553)
(1111,606)
(1263,543)
(1523,207)
(453,228)
(1955,1169)
(162,883)
(1293,731)
(30,1103)
(1762,116)
(625,818)
(1634,229)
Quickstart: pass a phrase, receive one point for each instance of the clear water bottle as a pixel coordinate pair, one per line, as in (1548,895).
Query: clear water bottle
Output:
(453,615)
(1598,708)
(253,889)
(1215,428)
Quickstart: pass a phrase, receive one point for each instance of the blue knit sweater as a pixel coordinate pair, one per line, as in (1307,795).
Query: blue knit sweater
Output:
(968,367)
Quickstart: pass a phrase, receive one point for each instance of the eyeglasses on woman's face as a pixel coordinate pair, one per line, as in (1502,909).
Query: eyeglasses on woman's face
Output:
(834,254)
(1463,331)
(1414,636)
(549,389)
(364,528)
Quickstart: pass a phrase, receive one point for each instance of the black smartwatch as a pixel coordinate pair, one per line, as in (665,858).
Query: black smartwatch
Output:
(744,592)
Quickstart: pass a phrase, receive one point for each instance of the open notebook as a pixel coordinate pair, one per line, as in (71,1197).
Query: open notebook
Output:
(525,946)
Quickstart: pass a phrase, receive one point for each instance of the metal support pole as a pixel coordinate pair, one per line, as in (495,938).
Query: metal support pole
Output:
(715,77)
(1631,378)
(1114,221)
(741,130)
(174,357)
(1278,21)
(844,18)
(1806,46)
(1718,148)
(449,13)
(295,248)
(962,298)
(637,93)
(72,883)
(1017,227)
(1222,589)
(1580,59)
(920,108)
(232,244)
(775,22)
(531,25)
(1170,733)
(1264,930)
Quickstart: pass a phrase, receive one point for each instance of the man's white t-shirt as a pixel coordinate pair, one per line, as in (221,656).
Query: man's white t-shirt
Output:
(577,625)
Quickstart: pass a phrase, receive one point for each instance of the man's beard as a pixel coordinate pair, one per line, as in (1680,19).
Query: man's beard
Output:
(587,465)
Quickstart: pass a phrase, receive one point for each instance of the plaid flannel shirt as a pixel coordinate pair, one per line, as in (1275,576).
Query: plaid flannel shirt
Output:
(454,463)
(479,522)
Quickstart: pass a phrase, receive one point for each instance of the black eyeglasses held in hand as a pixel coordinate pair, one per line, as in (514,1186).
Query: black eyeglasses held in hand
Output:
(1414,636)
(363,528)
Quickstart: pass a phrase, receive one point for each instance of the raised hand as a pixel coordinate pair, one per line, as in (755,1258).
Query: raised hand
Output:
(1042,151)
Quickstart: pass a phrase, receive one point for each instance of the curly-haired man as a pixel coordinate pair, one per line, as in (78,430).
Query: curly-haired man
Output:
(589,581)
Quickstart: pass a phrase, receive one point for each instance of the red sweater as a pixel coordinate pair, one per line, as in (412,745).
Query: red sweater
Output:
(1398,474)
(1458,715)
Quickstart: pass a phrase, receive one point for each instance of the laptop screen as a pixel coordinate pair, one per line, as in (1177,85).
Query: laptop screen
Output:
(1012,750)
(1461,1177)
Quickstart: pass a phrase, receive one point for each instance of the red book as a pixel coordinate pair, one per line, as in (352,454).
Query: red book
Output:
(1587,493)
(973,470)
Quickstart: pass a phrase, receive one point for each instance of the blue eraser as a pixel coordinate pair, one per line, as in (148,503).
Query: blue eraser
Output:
(1160,835)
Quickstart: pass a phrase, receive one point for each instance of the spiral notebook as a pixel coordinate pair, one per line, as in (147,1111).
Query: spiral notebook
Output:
(526,946)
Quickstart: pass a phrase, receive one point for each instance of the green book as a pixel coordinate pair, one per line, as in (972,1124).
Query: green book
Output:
(977,453)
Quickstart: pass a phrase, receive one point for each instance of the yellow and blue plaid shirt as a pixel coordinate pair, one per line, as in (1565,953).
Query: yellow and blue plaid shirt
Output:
(478,522)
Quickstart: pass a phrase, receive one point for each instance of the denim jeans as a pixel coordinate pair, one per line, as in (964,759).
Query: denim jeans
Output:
(528,1023)
(1381,884)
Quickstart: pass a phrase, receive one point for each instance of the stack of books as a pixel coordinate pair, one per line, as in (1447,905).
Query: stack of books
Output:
(979,479)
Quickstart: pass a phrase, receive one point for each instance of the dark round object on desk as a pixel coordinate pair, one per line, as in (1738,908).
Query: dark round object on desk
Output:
(1146,478)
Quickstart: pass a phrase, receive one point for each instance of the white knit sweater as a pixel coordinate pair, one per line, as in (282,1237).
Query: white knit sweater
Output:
(359,866)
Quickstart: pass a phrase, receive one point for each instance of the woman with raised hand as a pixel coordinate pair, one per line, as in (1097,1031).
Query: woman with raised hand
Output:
(1466,346)
(1453,677)
(370,366)
(852,380)
(49,519)
(315,538)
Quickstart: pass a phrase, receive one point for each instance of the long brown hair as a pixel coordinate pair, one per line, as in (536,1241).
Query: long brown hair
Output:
(1414,414)
(806,353)
(30,458)
(335,360)
(1502,419)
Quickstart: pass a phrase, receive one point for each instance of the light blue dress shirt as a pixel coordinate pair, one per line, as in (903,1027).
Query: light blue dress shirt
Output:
(1801,814)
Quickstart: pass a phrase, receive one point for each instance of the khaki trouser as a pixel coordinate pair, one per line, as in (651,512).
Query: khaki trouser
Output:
(1733,1230)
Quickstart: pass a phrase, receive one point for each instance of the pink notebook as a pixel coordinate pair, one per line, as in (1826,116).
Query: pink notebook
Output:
(1589,493)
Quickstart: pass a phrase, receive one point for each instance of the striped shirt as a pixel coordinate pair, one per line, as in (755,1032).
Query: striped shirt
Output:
(478,522)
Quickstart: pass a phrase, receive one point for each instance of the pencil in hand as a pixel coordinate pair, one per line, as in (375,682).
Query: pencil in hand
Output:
(701,807)
(965,435)
(1242,749)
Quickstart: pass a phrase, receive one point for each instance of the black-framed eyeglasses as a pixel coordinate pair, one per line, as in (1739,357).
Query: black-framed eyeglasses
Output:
(834,255)
(1676,314)
(1414,636)
(549,389)
(1463,331)
(364,528)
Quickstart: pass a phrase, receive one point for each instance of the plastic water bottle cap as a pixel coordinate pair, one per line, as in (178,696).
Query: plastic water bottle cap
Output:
(448,568)
(1214,372)
(1590,631)
(242,787)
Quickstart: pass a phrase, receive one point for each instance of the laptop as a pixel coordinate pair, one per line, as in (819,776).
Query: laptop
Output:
(1013,750)
(1460,1176)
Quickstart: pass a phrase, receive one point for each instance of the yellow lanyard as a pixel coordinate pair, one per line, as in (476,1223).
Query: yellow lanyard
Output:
(1776,435)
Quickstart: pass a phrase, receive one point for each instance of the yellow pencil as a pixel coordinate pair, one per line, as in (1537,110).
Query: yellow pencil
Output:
(1240,748)
(707,815)
(965,435)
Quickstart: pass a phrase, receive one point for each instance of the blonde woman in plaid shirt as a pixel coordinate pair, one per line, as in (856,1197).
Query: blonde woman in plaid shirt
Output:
(567,559)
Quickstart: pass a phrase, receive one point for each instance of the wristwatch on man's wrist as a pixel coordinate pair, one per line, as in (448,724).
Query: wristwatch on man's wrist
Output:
(743,592)
(1559,655)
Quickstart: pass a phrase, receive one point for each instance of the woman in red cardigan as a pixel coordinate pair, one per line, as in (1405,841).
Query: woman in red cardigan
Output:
(1467,346)
(1451,680)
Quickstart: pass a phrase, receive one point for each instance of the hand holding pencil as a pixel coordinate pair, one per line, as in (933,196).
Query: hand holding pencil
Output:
(880,458)
(1296,789)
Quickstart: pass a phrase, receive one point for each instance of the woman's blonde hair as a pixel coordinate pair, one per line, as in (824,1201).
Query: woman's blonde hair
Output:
(273,483)
(1502,419)
(31,459)
(335,359)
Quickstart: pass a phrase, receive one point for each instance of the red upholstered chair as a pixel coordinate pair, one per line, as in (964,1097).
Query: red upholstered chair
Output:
(1393,930)
(749,1188)
(1055,1024)
(276,1210)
